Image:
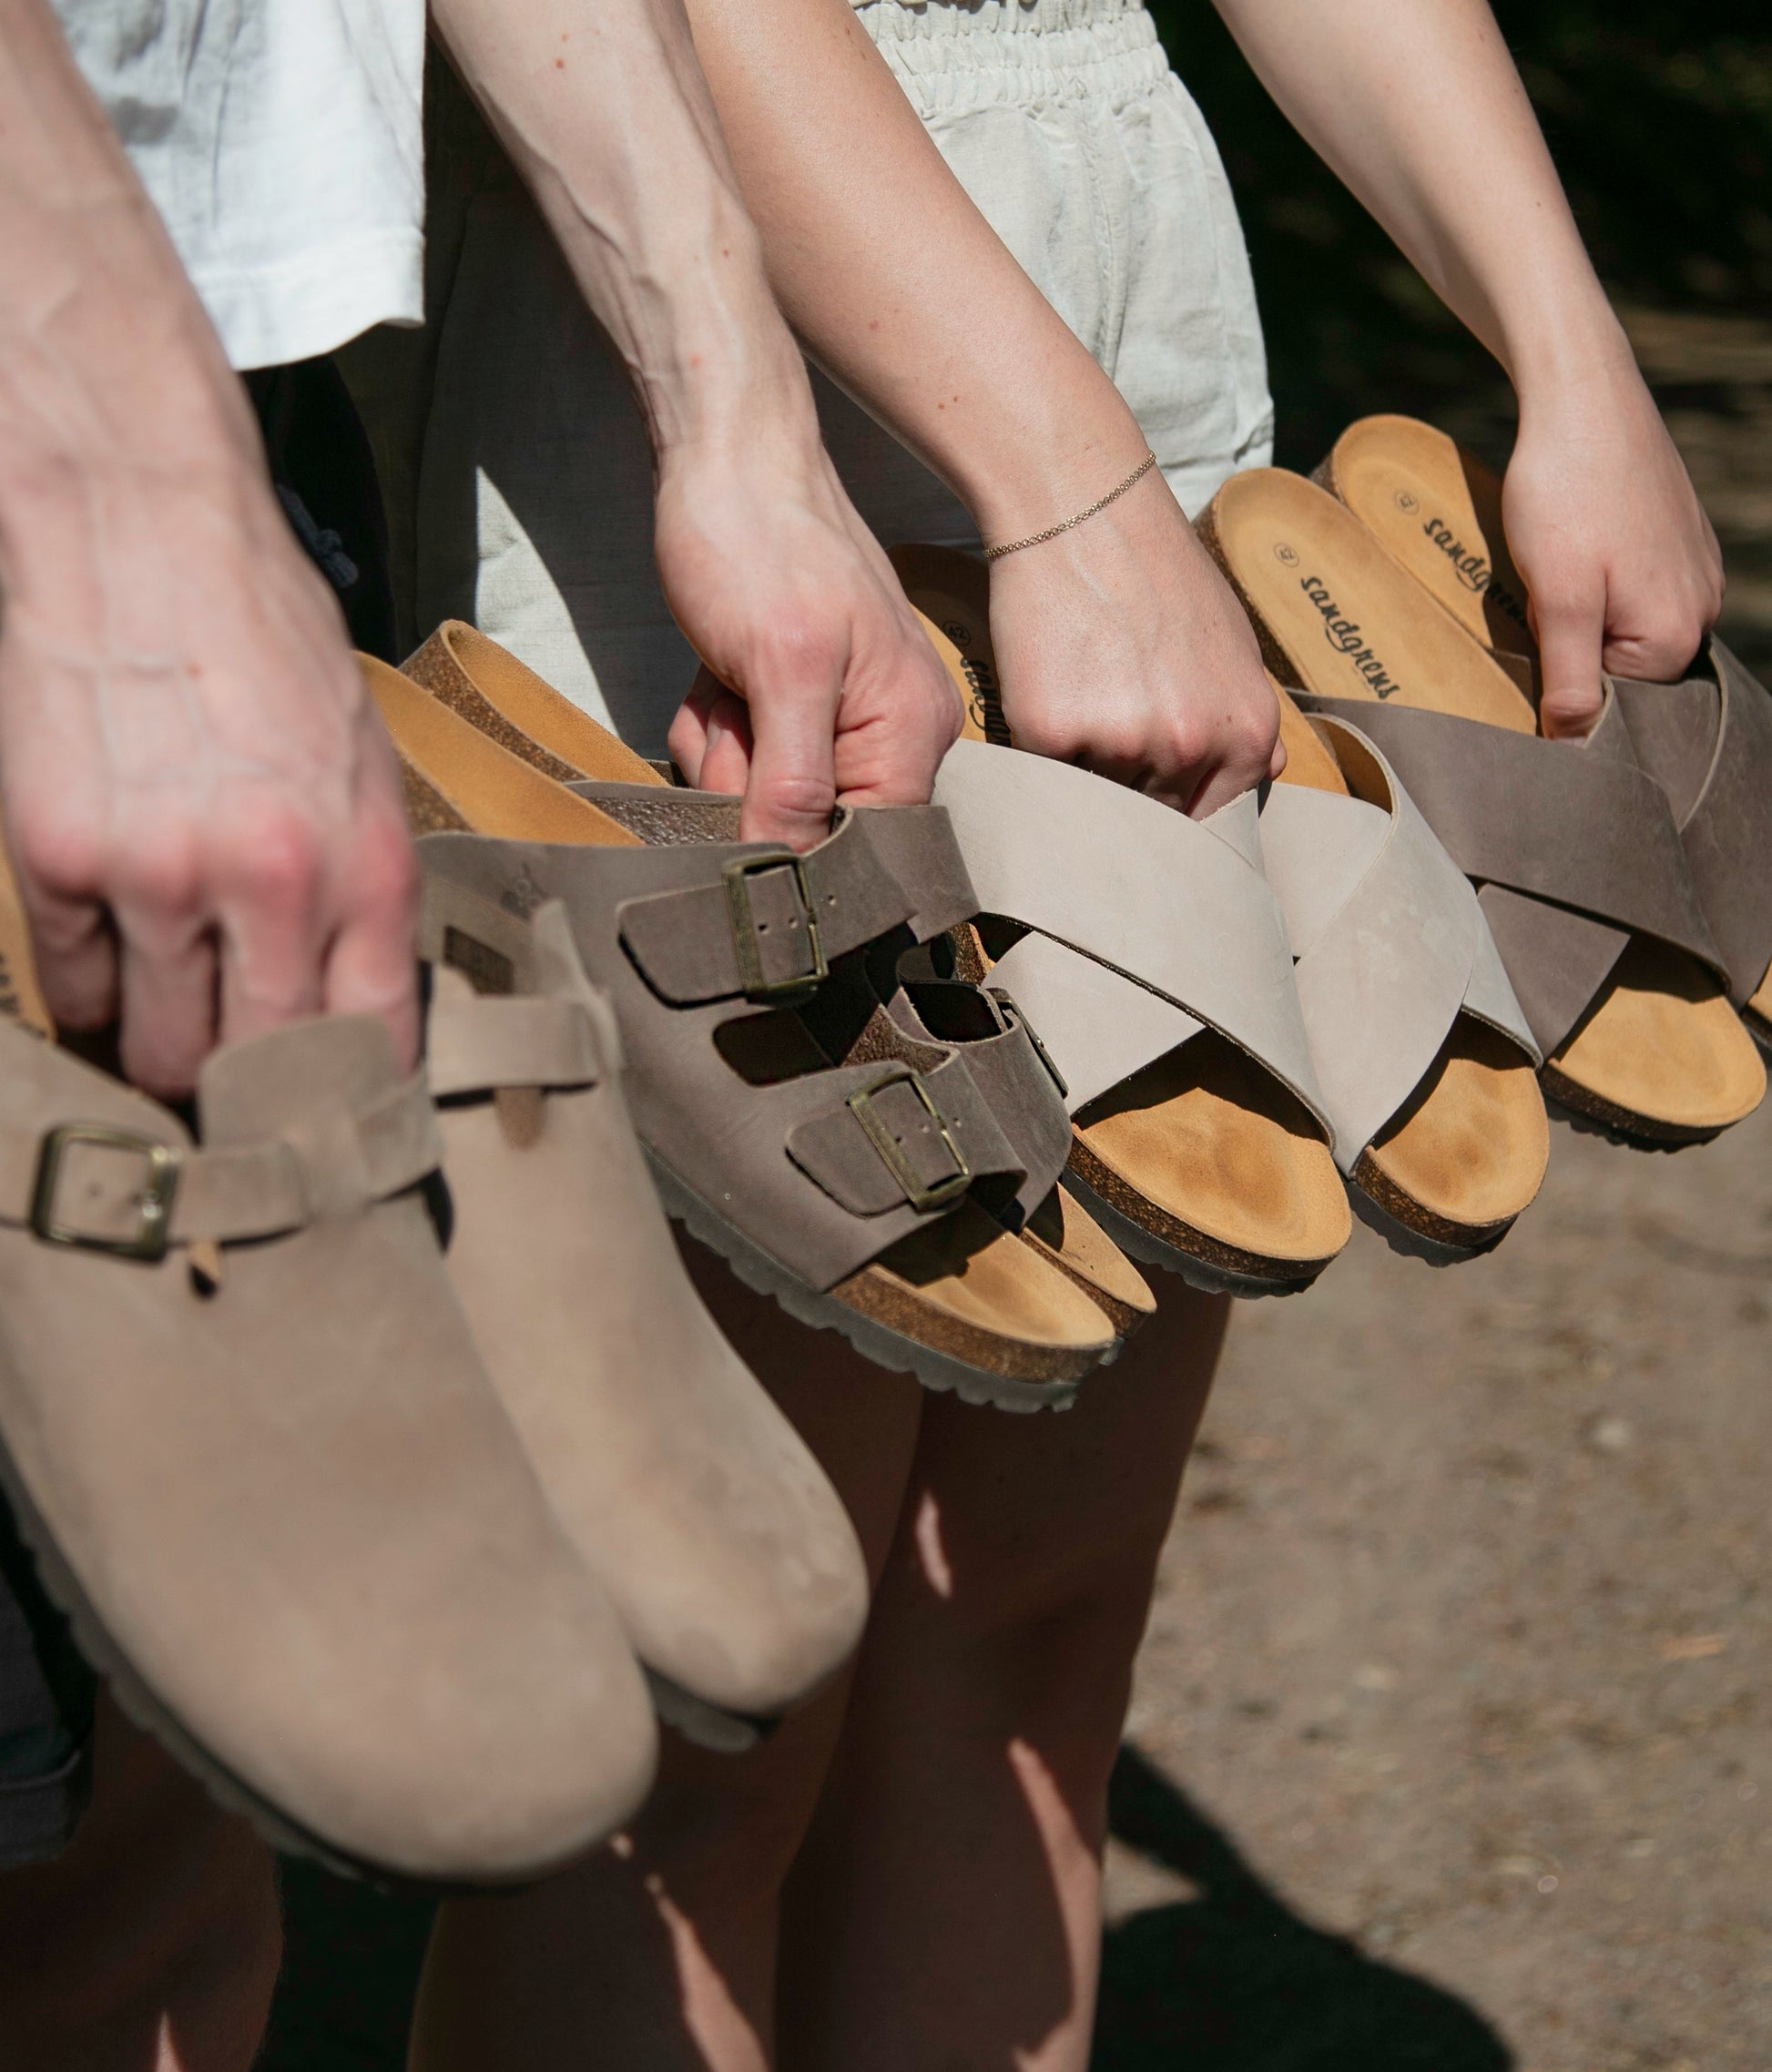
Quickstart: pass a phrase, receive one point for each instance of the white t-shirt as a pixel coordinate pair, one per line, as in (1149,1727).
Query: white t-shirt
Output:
(282,141)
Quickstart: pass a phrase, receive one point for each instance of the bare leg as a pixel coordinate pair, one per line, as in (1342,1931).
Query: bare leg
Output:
(152,1944)
(945,1908)
(657,1954)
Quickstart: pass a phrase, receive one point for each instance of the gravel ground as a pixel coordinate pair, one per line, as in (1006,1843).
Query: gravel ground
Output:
(1449,1747)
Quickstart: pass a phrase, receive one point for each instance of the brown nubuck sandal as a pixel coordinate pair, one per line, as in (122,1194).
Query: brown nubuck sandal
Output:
(245,1431)
(838,1163)
(1707,741)
(1151,955)
(1581,875)
(506,700)
(1426,1064)
(729,1558)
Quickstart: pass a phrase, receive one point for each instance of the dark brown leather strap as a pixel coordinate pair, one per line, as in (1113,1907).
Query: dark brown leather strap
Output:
(1574,845)
(1707,742)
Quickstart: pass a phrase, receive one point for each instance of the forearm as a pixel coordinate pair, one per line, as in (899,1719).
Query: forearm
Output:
(108,360)
(1420,110)
(939,334)
(602,107)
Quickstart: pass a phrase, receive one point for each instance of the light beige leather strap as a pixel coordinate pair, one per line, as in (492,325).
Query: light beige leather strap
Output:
(476,1044)
(119,1190)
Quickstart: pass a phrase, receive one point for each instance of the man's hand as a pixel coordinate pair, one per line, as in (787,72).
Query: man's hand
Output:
(201,808)
(1620,561)
(204,816)
(1122,648)
(818,686)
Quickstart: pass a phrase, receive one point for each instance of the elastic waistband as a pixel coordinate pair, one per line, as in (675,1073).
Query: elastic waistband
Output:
(953,54)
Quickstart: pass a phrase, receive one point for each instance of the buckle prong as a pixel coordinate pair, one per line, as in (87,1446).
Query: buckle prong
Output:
(922,1195)
(153,1205)
(746,944)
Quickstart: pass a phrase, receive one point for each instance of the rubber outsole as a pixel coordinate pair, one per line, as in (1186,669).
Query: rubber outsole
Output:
(886,1348)
(1412,1243)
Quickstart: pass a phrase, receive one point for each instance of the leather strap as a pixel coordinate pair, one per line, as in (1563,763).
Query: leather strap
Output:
(901,1135)
(120,1189)
(476,1044)
(1579,842)
(746,920)
(1707,742)
(1390,941)
(1172,906)
(1021,1083)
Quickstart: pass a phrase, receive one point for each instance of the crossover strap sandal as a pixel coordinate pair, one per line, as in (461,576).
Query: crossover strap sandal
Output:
(1425,1061)
(838,1163)
(1150,953)
(507,701)
(1580,872)
(245,1431)
(728,1554)
(1707,741)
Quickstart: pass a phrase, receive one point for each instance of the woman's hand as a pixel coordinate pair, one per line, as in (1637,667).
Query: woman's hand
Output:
(1121,647)
(1619,560)
(817,687)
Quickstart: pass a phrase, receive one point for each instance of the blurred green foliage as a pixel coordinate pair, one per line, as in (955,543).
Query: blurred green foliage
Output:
(1660,118)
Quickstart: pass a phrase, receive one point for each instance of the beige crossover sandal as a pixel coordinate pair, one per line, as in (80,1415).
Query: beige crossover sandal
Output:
(1575,848)
(245,1430)
(1151,955)
(1426,1064)
(728,1556)
(840,1164)
(1707,741)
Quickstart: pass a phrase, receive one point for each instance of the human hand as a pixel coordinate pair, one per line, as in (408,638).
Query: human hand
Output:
(1619,560)
(1121,647)
(204,814)
(817,687)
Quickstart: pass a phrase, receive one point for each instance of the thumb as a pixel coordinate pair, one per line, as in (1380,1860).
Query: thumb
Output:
(792,791)
(1569,633)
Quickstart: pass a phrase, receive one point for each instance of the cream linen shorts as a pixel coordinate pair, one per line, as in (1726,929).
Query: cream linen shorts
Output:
(518,476)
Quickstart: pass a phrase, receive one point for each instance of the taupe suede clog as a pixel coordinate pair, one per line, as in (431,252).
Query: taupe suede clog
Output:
(728,1554)
(245,1430)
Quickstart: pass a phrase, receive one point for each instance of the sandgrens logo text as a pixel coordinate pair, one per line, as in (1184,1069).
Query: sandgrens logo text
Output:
(1344,635)
(1472,569)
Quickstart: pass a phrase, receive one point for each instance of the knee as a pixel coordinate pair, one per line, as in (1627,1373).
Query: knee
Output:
(154,1939)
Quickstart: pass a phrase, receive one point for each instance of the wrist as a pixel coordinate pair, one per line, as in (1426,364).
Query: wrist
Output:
(1570,354)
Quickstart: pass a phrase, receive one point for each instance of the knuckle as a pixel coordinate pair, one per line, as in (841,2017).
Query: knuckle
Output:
(801,795)
(274,865)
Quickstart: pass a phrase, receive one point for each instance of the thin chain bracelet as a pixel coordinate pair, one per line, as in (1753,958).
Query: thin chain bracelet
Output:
(1051,531)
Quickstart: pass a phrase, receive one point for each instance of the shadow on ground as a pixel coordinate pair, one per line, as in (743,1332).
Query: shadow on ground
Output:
(1234,1981)
(350,1964)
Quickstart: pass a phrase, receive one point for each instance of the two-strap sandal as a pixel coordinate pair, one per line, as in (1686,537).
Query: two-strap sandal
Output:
(246,1432)
(729,1558)
(840,1164)
(1575,848)
(1151,955)
(1705,741)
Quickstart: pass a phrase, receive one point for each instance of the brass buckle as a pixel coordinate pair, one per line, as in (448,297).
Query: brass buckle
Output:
(1011,1006)
(921,1196)
(153,1205)
(745,943)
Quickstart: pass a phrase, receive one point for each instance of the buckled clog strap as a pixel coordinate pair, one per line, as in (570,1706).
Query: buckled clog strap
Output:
(113,1188)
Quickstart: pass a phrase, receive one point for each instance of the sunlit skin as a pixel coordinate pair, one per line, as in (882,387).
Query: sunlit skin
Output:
(908,1876)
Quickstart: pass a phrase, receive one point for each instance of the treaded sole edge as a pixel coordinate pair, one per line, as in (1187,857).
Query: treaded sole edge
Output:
(886,1348)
